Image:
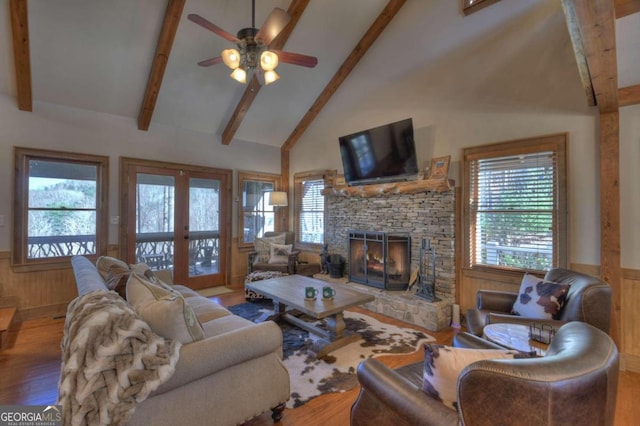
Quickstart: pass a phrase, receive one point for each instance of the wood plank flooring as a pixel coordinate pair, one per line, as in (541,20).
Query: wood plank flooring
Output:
(30,369)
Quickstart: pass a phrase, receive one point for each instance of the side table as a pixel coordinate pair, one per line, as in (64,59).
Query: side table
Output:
(513,336)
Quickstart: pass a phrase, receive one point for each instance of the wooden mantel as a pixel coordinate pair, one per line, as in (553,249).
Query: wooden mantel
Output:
(413,187)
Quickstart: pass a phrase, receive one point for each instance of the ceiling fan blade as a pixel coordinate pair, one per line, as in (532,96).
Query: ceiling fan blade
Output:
(209,62)
(296,58)
(211,27)
(276,21)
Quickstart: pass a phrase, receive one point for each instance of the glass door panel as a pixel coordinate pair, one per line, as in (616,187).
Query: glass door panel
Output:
(204,227)
(155,220)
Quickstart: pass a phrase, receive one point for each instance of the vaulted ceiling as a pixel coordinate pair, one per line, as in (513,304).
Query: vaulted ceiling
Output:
(138,59)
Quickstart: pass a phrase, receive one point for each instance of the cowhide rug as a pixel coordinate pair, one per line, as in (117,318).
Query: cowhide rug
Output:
(336,372)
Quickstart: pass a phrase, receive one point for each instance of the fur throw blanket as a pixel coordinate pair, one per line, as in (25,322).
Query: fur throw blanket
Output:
(111,360)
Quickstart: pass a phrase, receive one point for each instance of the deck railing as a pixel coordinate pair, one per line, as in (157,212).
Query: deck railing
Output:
(61,245)
(155,248)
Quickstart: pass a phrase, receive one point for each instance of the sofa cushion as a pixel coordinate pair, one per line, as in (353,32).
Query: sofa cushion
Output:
(218,326)
(538,298)
(263,247)
(166,311)
(104,263)
(443,365)
(279,253)
(206,309)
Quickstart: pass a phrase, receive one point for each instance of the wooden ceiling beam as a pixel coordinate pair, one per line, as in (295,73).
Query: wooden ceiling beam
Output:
(378,26)
(295,11)
(626,7)
(578,51)
(163,50)
(629,95)
(595,20)
(21,54)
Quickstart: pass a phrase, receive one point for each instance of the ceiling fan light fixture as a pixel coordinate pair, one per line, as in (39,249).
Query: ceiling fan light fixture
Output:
(231,58)
(270,77)
(268,60)
(239,75)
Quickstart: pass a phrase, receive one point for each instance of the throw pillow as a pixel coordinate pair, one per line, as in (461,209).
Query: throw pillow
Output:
(279,253)
(117,279)
(166,311)
(443,365)
(263,247)
(103,264)
(539,299)
(139,268)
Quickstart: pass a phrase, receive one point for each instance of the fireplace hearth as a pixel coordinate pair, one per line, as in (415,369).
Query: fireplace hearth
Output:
(380,259)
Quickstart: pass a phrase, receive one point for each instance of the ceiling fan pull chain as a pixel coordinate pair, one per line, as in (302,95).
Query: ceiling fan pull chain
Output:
(253,13)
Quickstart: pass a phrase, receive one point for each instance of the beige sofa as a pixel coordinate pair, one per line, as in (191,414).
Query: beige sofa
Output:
(233,374)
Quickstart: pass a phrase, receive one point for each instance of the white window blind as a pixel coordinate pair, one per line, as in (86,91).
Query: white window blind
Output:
(310,210)
(513,211)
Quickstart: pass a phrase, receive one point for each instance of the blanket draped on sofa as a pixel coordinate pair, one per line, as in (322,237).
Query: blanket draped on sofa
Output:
(111,360)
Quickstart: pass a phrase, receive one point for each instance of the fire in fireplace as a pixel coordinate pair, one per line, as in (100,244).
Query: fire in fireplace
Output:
(380,259)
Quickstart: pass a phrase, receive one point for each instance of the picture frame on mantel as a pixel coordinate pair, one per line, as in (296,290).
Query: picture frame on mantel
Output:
(439,168)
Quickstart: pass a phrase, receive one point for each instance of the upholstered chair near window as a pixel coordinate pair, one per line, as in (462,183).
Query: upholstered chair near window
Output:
(274,252)
(579,297)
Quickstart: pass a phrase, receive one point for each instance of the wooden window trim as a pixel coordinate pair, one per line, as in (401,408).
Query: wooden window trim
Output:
(559,143)
(21,157)
(259,177)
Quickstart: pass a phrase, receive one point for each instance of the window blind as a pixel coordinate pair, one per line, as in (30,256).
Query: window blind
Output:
(513,205)
(310,209)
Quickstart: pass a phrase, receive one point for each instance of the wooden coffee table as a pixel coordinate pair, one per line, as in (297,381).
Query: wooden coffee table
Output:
(288,292)
(513,336)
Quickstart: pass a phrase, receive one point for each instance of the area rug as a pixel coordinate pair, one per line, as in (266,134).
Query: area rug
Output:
(336,372)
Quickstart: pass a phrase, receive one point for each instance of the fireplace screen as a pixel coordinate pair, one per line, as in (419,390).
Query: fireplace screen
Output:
(380,259)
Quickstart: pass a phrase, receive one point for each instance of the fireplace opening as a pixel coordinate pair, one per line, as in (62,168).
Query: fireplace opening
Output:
(380,259)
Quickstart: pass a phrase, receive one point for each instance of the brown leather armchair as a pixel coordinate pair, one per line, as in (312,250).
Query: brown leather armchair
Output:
(588,300)
(574,383)
(288,267)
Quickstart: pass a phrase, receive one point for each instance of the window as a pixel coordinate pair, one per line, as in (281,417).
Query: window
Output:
(60,208)
(516,204)
(256,216)
(310,208)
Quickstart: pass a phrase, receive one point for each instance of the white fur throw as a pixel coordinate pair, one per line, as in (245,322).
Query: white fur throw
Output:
(111,360)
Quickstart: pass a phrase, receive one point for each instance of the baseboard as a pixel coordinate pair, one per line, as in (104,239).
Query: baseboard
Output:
(630,363)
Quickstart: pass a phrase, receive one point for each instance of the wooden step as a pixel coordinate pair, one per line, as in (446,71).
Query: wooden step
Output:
(6,317)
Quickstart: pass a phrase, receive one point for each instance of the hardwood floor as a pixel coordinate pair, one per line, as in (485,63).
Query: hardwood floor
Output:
(30,369)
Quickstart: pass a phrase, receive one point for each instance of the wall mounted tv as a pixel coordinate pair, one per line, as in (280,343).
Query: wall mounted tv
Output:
(382,154)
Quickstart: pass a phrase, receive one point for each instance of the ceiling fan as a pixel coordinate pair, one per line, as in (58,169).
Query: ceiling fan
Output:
(253,55)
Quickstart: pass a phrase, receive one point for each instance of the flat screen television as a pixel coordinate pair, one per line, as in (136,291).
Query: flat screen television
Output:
(382,154)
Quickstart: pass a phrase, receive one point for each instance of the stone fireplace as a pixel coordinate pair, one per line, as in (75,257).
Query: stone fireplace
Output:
(380,259)
(428,214)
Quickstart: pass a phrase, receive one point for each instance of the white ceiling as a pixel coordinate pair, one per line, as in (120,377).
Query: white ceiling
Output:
(97,54)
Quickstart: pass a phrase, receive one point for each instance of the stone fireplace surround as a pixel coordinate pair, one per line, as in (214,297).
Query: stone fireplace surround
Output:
(429,214)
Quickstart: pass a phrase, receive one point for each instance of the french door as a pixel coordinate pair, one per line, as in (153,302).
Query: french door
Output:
(177,217)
